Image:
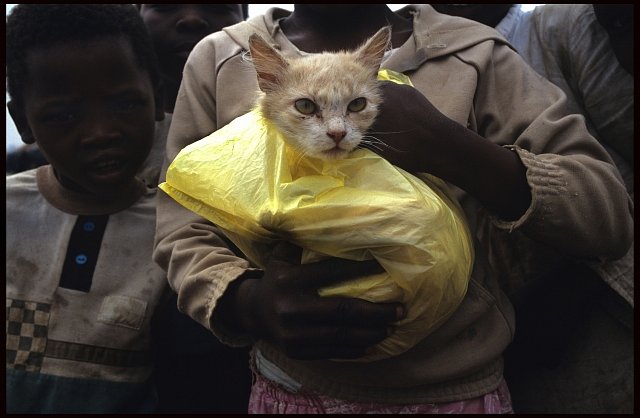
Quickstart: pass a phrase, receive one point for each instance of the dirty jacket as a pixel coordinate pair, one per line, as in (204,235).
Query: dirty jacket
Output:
(79,341)
(470,73)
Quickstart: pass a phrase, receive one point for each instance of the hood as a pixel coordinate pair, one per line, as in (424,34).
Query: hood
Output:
(434,34)
(264,25)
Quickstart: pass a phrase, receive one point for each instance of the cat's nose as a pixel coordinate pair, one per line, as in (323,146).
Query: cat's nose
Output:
(337,136)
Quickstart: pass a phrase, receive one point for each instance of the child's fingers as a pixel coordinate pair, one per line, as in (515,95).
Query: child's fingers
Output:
(318,274)
(349,312)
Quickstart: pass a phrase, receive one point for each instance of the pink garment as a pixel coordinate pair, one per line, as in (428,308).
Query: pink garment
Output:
(269,398)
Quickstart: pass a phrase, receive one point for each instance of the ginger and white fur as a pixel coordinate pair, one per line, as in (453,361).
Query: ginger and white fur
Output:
(323,104)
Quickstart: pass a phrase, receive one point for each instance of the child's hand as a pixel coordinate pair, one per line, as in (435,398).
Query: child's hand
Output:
(417,137)
(401,128)
(283,307)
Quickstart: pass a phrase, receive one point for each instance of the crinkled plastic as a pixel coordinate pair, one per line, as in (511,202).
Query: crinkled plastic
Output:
(244,179)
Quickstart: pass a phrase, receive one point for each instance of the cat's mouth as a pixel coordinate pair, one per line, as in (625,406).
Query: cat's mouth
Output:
(334,153)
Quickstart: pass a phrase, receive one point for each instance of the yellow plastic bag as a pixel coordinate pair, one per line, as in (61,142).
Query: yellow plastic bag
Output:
(244,179)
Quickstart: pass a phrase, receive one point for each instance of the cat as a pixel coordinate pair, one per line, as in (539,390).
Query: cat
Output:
(323,104)
(357,207)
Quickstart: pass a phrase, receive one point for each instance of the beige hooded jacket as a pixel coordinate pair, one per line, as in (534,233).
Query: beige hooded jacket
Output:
(469,72)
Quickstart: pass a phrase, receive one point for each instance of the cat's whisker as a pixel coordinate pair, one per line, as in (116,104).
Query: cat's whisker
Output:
(376,143)
(380,146)
(302,155)
(388,132)
(370,147)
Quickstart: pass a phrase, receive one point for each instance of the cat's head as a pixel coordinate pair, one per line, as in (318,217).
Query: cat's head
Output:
(322,103)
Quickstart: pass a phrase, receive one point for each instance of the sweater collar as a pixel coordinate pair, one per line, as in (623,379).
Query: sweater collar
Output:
(76,203)
(436,35)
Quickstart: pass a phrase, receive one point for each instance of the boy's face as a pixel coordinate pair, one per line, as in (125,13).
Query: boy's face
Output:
(91,109)
(176,28)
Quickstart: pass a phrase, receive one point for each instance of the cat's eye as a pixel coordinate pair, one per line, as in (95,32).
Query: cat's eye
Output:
(357,105)
(305,106)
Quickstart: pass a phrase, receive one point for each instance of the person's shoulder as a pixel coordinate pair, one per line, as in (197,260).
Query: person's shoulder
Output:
(24,180)
(425,15)
(568,28)
(264,25)
(562,10)
(219,45)
(234,39)
(562,16)
(452,33)
(22,193)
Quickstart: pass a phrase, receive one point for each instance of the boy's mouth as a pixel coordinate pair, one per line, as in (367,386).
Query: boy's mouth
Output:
(108,169)
(108,165)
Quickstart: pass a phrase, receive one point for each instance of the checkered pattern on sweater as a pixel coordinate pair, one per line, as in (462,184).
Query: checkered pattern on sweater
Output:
(26,334)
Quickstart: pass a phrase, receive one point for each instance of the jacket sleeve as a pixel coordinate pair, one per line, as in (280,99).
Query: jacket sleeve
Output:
(199,263)
(580,205)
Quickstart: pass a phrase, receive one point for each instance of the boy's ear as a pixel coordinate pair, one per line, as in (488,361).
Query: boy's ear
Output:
(269,64)
(20,120)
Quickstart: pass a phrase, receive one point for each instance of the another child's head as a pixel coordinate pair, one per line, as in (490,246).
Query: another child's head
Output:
(176,28)
(83,83)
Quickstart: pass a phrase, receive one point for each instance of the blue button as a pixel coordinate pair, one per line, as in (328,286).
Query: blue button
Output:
(89,226)
(81,259)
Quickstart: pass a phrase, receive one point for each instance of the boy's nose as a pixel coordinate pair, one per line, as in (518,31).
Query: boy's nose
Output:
(191,19)
(101,139)
(100,132)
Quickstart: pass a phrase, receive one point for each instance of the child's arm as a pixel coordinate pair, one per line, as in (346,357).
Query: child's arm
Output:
(448,150)
(282,306)
(557,184)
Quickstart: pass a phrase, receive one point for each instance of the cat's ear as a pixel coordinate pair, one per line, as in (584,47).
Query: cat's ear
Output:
(372,52)
(269,64)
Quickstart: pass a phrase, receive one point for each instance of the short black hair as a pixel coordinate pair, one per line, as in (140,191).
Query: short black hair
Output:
(36,26)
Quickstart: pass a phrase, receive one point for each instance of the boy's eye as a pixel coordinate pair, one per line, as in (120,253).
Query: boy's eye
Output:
(305,106)
(60,117)
(163,8)
(357,105)
(127,105)
(219,8)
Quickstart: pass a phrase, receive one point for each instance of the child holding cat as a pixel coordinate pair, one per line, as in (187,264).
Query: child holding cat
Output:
(480,120)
